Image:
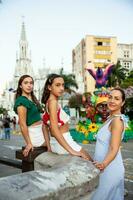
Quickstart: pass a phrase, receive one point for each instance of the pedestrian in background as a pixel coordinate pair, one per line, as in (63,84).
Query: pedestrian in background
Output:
(1,129)
(14,121)
(7,127)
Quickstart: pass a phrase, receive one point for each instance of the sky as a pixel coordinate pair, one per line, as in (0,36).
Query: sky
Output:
(55,27)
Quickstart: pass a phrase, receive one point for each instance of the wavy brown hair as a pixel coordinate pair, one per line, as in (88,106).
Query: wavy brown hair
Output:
(19,90)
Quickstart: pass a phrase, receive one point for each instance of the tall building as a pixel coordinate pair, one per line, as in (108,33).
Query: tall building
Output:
(125,55)
(92,51)
(23,59)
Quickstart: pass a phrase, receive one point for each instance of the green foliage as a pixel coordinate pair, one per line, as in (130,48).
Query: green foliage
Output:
(3,110)
(129,107)
(82,132)
(82,113)
(70,81)
(117,76)
(128,81)
(129,132)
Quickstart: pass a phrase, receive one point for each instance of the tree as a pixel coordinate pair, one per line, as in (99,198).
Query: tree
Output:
(129,99)
(75,101)
(3,110)
(70,81)
(128,80)
(117,76)
(129,107)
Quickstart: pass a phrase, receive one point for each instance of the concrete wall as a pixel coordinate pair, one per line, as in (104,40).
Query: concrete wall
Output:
(55,178)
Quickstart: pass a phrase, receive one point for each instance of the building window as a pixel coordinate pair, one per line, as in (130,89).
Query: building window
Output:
(127,65)
(106,44)
(126,54)
(100,60)
(103,52)
(99,43)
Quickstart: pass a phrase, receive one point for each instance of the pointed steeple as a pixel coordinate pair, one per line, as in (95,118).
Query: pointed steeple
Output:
(23,44)
(23,60)
(23,34)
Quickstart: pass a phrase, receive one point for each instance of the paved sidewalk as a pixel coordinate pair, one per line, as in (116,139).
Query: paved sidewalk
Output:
(8,148)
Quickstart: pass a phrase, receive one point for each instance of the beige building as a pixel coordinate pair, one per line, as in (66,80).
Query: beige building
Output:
(125,55)
(92,51)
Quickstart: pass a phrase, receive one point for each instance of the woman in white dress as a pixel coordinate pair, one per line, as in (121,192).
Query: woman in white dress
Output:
(107,155)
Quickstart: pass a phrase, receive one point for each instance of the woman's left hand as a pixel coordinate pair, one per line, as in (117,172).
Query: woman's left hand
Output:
(28,148)
(49,149)
(100,166)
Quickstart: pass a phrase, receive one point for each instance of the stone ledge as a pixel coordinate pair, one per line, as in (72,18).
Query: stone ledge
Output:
(71,178)
(60,178)
(81,177)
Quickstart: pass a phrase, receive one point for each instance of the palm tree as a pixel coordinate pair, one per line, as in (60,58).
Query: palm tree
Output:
(70,81)
(117,76)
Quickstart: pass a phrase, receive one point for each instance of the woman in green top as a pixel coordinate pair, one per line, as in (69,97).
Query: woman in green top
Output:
(28,109)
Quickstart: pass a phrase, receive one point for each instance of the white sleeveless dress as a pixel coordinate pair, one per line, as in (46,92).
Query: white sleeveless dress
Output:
(111,181)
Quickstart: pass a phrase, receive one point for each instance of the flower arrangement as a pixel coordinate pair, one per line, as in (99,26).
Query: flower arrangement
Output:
(128,132)
(85,131)
(95,114)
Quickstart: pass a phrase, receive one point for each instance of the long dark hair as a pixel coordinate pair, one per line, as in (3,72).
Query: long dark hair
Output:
(49,81)
(123,97)
(19,90)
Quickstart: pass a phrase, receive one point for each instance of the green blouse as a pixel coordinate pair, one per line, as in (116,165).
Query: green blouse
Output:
(33,113)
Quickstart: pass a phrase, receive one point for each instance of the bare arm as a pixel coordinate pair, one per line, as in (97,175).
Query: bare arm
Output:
(116,129)
(22,113)
(53,106)
(46,136)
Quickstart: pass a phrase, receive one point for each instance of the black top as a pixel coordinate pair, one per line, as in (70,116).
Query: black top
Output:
(6,122)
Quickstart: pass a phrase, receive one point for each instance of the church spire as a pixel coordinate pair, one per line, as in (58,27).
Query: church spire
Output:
(23,34)
(23,60)
(23,44)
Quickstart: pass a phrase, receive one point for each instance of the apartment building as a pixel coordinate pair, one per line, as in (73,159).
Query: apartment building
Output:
(125,55)
(92,51)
